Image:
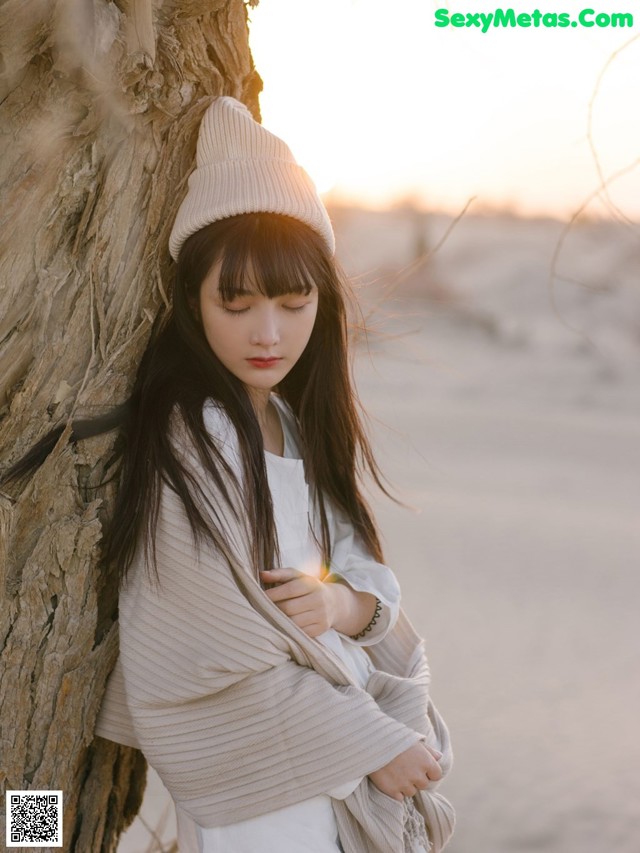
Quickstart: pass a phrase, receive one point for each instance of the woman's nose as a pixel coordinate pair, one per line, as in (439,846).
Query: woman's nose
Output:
(266,332)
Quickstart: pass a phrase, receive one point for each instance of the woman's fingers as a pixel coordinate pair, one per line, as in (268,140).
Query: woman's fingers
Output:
(410,771)
(290,584)
(294,604)
(300,597)
(434,771)
(282,575)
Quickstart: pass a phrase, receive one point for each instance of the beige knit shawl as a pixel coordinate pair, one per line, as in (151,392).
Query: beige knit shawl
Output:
(241,713)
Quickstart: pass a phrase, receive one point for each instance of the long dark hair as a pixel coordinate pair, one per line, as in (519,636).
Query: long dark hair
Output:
(179,373)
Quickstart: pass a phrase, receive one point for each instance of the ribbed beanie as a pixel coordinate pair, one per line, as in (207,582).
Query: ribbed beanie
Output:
(243,168)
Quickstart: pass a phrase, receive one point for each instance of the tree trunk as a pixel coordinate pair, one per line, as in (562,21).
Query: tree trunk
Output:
(99,109)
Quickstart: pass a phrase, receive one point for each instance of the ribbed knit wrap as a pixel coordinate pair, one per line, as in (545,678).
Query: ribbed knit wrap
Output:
(241,713)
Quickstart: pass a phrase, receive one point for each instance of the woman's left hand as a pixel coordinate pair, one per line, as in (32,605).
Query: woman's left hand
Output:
(315,606)
(310,603)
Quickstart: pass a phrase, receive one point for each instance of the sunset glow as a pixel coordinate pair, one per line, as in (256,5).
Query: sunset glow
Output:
(380,105)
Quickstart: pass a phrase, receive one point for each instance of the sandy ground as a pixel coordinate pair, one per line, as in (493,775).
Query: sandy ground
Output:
(513,432)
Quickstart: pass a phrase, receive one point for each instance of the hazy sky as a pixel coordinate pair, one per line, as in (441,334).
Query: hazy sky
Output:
(379,104)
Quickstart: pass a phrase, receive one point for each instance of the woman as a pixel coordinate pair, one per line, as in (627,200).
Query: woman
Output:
(266,670)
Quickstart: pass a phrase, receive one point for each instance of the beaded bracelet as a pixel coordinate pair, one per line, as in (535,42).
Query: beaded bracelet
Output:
(374,619)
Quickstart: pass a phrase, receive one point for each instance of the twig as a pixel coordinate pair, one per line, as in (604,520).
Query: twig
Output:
(603,181)
(600,192)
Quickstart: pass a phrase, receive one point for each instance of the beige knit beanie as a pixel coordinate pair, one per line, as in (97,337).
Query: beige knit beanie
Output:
(242,168)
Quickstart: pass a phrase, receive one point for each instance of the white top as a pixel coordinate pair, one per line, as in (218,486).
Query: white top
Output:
(308,825)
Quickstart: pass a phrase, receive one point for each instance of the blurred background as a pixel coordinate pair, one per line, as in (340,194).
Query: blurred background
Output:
(485,193)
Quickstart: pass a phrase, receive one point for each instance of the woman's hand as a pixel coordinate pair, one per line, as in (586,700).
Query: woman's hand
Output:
(315,605)
(309,602)
(408,772)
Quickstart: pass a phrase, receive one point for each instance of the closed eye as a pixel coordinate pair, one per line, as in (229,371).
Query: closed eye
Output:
(234,310)
(295,305)
(294,309)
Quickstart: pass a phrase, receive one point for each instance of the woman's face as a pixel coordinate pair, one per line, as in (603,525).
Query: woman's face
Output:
(258,339)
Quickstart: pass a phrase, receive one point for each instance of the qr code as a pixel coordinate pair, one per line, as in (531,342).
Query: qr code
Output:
(34,819)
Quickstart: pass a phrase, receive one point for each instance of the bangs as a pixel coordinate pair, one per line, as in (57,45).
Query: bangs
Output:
(272,254)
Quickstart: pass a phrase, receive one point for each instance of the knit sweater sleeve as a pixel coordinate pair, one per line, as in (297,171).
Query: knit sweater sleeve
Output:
(225,705)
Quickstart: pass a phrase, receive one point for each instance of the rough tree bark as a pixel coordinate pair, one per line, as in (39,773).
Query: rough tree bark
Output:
(99,110)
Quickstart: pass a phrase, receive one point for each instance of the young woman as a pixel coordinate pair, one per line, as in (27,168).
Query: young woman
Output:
(266,669)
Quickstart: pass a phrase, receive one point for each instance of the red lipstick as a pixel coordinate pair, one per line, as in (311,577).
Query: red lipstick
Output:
(263,362)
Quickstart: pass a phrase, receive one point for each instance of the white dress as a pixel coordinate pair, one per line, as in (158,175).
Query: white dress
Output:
(308,826)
